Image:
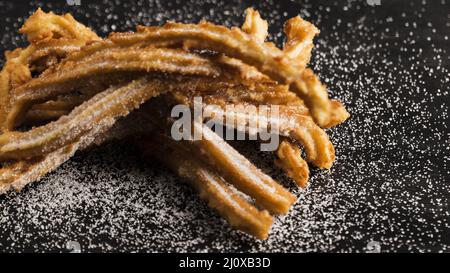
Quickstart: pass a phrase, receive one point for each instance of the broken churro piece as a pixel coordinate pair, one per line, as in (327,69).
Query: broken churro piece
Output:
(291,161)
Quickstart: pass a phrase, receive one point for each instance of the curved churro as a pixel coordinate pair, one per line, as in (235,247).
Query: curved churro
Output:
(291,122)
(18,174)
(228,162)
(212,188)
(244,175)
(257,93)
(256,90)
(68,76)
(112,103)
(15,175)
(236,44)
(232,42)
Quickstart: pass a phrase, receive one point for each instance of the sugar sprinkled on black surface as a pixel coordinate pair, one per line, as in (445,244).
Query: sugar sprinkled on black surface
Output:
(390,184)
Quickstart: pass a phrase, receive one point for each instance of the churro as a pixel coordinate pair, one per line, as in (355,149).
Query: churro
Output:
(69,90)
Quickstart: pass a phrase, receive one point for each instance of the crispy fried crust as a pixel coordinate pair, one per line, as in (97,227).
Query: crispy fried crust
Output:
(255,26)
(44,27)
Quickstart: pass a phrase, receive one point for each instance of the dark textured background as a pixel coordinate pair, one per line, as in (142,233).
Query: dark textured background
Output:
(389,187)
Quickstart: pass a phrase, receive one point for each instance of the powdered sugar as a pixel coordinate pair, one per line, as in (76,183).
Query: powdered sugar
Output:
(390,182)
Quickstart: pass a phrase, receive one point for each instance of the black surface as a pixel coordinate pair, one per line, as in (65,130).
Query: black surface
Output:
(388,63)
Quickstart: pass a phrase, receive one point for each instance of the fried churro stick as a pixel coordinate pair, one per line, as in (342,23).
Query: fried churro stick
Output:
(263,90)
(256,93)
(15,175)
(36,116)
(236,169)
(267,96)
(112,103)
(18,174)
(211,187)
(291,161)
(68,76)
(290,123)
(232,42)
(228,162)
(236,44)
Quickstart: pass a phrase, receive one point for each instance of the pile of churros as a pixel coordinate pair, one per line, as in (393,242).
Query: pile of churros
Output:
(69,90)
